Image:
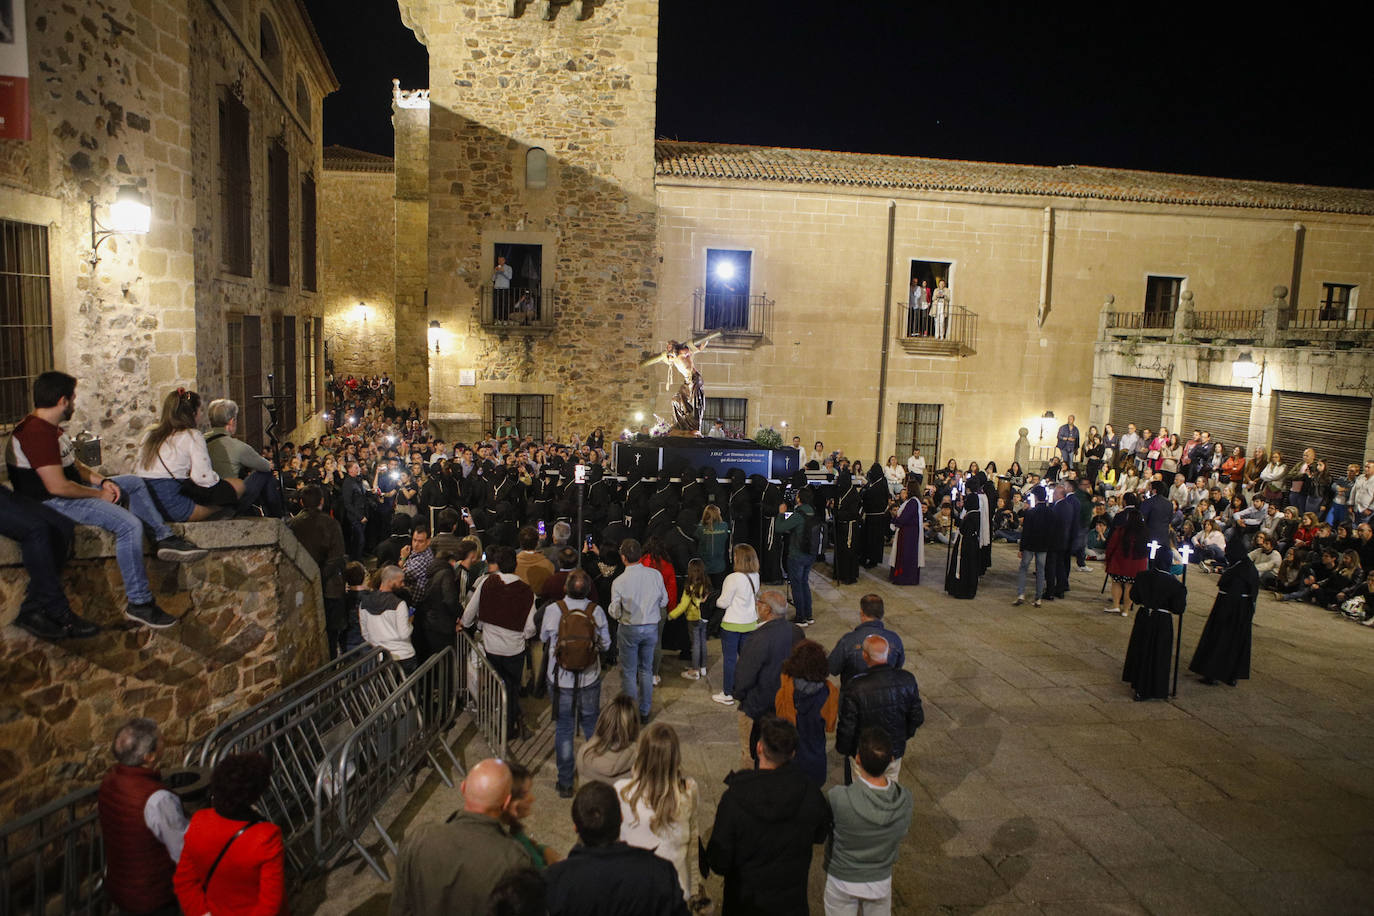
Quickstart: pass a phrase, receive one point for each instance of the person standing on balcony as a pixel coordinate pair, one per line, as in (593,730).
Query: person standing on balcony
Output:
(142,823)
(918,309)
(940,302)
(500,290)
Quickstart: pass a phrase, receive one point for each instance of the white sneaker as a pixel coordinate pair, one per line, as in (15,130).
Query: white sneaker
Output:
(692,674)
(1085,568)
(723,699)
(703,671)
(657,679)
(1112,610)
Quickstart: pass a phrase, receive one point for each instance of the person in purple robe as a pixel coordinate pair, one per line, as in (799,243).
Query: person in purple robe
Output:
(908,547)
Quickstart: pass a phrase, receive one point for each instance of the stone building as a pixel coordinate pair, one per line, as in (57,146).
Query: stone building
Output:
(209,110)
(534,138)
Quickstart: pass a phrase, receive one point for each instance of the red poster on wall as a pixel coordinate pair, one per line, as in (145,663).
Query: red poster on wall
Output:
(14,71)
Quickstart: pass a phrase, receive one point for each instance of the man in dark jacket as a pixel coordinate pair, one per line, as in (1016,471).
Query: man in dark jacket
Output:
(1157,511)
(603,876)
(883,697)
(846,659)
(353,510)
(323,539)
(1063,532)
(766,823)
(1037,535)
(758,673)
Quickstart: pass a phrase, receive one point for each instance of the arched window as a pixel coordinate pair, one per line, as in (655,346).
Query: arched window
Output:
(536,169)
(269,46)
(302,98)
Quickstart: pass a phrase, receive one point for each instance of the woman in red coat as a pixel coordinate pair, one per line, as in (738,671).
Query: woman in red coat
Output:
(249,877)
(1126,553)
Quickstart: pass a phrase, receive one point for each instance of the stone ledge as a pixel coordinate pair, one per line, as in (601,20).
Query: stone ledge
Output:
(95,543)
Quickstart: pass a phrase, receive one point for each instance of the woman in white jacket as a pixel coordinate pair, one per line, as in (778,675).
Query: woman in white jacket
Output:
(174,454)
(658,804)
(738,594)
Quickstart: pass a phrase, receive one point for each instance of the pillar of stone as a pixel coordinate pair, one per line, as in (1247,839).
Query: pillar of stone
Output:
(1275,315)
(410,117)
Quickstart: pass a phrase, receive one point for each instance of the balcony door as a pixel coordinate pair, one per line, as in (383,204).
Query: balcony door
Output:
(727,289)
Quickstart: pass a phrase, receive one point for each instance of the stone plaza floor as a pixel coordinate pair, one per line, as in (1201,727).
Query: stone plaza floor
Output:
(1040,786)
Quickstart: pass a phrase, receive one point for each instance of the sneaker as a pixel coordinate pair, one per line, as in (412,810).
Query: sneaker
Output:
(1035,603)
(564,791)
(643,719)
(1085,568)
(692,674)
(657,680)
(1111,610)
(40,625)
(703,671)
(1020,600)
(150,615)
(179,549)
(723,699)
(805,623)
(76,627)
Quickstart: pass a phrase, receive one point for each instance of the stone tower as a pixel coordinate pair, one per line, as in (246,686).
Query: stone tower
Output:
(540,147)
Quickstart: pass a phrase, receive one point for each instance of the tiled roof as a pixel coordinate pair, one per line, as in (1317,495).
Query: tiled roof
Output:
(347,159)
(723,162)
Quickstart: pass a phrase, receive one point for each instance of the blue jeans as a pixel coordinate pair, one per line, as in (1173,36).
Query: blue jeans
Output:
(730,645)
(588,708)
(637,645)
(1336,514)
(1026,556)
(697,629)
(44,538)
(260,489)
(127,527)
(799,573)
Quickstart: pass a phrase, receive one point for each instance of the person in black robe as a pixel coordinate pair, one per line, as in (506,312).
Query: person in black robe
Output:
(847,526)
(764,493)
(743,512)
(876,522)
(1159,597)
(963,562)
(1223,651)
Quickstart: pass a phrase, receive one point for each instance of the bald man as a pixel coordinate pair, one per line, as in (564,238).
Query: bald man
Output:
(451,867)
(881,696)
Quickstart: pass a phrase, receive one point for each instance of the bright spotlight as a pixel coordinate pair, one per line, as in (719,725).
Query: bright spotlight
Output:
(639,416)
(725,270)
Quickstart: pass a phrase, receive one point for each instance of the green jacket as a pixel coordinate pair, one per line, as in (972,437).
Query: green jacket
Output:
(869,826)
(795,524)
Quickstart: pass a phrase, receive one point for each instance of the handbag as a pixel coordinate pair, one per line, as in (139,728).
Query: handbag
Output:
(1152,454)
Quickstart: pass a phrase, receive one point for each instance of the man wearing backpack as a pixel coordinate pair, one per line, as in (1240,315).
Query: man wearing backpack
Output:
(806,529)
(574,633)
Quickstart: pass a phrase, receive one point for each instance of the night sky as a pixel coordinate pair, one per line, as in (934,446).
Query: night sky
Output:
(1161,87)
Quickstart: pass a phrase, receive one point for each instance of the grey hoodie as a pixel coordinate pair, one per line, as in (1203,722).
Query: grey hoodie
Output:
(869,826)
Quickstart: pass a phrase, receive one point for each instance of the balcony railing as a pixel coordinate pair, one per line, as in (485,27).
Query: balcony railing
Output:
(517,310)
(954,333)
(1251,320)
(1274,325)
(1141,321)
(737,315)
(1330,320)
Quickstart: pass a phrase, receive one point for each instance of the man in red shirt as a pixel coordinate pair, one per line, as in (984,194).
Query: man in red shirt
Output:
(42,465)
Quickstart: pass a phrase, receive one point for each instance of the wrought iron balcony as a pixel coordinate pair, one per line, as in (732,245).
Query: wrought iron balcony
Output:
(741,318)
(517,310)
(925,333)
(1275,325)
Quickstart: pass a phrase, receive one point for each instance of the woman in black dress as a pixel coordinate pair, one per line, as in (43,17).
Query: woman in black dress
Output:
(1223,652)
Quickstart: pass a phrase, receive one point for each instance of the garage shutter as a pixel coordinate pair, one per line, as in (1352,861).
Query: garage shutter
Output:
(1136,400)
(1223,412)
(1334,426)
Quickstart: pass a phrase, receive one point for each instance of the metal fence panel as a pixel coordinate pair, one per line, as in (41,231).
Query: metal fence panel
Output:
(482,693)
(52,860)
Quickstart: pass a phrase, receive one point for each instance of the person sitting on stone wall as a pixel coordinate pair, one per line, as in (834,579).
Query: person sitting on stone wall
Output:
(231,457)
(175,465)
(42,465)
(44,542)
(142,823)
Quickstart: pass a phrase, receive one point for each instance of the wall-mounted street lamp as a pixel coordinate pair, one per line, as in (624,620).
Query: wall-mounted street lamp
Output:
(129,215)
(1047,418)
(434,328)
(362,312)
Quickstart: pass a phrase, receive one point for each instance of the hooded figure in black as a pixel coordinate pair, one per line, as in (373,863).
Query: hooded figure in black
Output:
(637,493)
(1159,597)
(1223,651)
(876,522)
(764,493)
(964,563)
(848,512)
(742,513)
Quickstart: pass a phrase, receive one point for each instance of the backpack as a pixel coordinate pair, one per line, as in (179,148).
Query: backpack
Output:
(813,534)
(575,648)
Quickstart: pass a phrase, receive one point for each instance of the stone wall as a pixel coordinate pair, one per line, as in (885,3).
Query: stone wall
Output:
(123,92)
(820,255)
(358,237)
(582,90)
(251,620)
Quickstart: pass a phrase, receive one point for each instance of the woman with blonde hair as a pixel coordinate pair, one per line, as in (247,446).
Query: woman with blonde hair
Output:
(658,804)
(737,596)
(174,463)
(713,543)
(611,752)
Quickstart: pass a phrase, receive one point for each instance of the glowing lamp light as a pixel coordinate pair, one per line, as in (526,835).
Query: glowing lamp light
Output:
(725,270)
(1244,366)
(784,424)
(435,330)
(363,312)
(639,416)
(130,211)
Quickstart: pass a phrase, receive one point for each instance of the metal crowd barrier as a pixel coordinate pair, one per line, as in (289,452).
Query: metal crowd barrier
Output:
(357,778)
(301,735)
(482,692)
(335,675)
(52,860)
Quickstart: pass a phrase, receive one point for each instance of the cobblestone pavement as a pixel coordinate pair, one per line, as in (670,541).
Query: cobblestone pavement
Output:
(1040,786)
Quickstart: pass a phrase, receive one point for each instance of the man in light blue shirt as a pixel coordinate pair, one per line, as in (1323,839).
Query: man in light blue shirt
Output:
(575,693)
(638,599)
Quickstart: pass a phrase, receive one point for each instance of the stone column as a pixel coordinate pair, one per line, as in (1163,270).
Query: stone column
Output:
(410,116)
(1183,317)
(1104,317)
(1275,316)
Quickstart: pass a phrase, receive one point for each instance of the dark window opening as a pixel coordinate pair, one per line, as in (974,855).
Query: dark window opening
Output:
(269,46)
(284,371)
(302,99)
(309,267)
(518,295)
(25,315)
(278,214)
(1337,301)
(236,188)
(924,309)
(726,305)
(245,374)
(1161,300)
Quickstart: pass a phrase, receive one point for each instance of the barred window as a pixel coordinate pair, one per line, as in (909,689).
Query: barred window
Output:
(309,268)
(236,188)
(278,214)
(245,374)
(25,316)
(530,413)
(284,371)
(918,426)
(733,414)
